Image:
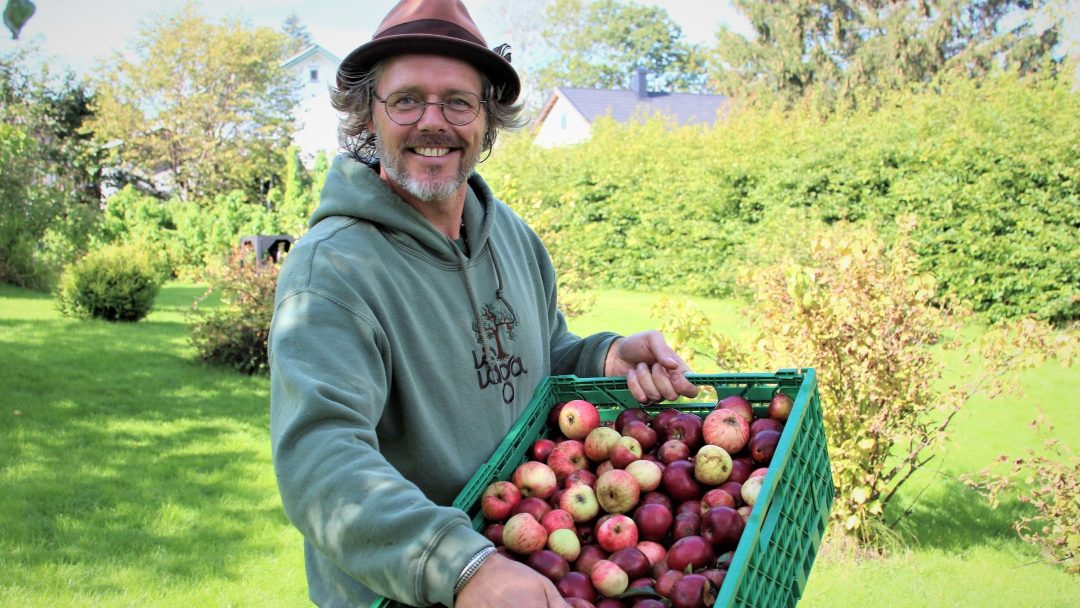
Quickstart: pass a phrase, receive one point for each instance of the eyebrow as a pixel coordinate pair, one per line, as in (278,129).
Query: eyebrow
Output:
(418,90)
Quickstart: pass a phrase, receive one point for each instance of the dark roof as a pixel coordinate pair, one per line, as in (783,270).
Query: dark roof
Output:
(686,108)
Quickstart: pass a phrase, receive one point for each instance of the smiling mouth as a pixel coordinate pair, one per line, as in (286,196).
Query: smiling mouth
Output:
(432,152)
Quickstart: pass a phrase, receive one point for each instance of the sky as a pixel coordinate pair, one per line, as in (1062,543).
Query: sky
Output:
(75,33)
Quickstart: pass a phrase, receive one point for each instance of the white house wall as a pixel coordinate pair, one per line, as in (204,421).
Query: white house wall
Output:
(563,126)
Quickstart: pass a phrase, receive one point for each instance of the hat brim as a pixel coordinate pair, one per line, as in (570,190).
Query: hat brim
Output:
(497,69)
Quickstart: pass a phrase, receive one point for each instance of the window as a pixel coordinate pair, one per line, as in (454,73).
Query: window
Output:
(313,75)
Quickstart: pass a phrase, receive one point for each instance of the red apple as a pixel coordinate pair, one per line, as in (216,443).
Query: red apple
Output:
(577,602)
(537,507)
(599,442)
(678,481)
(689,592)
(692,551)
(673,450)
(653,521)
(740,469)
(616,532)
(666,581)
(540,449)
(493,532)
(499,499)
(716,497)
(608,578)
(590,554)
(523,534)
(686,428)
(687,524)
(584,476)
(738,404)
(780,406)
(766,424)
(652,550)
(649,603)
(727,429)
(548,563)
(632,561)
(658,498)
(566,457)
(633,413)
(661,420)
(722,526)
(556,519)
(534,479)
(734,488)
(689,506)
(641,431)
(763,446)
(626,450)
(576,584)
(577,418)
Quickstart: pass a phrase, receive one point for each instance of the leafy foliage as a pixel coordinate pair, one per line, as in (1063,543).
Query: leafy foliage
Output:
(1049,481)
(234,334)
(114,283)
(206,103)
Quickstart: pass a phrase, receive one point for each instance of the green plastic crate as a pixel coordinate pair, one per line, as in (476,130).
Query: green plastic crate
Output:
(777,550)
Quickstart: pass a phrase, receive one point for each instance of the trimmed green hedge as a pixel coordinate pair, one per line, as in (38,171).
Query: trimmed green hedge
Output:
(991,169)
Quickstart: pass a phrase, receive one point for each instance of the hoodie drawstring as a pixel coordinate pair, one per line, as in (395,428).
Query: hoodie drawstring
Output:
(489,354)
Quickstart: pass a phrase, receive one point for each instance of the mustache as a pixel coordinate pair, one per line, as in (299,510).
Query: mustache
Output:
(432,140)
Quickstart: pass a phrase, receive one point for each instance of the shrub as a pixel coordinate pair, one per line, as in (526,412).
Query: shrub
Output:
(234,333)
(115,283)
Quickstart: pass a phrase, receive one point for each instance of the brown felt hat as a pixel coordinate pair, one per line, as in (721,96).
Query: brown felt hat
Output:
(438,27)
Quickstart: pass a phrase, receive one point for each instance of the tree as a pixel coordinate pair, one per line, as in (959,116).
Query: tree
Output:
(598,43)
(205,102)
(838,51)
(299,36)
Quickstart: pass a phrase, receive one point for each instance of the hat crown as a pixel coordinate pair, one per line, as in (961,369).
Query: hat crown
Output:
(434,17)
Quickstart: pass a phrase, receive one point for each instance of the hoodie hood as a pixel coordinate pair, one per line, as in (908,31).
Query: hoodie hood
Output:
(353,189)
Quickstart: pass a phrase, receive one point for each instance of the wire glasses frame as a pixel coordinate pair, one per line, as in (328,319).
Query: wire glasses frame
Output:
(405,108)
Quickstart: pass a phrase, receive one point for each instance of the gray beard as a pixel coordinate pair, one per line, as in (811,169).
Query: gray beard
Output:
(430,190)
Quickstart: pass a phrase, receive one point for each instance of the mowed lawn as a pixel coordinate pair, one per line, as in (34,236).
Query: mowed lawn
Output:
(133,475)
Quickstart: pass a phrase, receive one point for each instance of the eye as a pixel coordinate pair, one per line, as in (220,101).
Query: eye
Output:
(458,102)
(403,101)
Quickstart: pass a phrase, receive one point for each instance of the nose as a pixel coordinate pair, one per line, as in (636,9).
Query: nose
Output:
(431,117)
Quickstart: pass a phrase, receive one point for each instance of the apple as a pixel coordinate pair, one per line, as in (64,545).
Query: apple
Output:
(740,469)
(540,449)
(666,581)
(712,465)
(626,450)
(548,563)
(633,413)
(565,542)
(603,467)
(566,457)
(763,424)
(722,526)
(580,502)
(678,481)
(584,476)
(576,584)
(653,550)
(689,592)
(590,554)
(686,428)
(577,418)
(577,602)
(661,420)
(537,507)
(686,524)
(739,404)
(780,406)
(645,582)
(727,429)
(716,497)
(534,479)
(499,499)
(751,488)
(658,498)
(599,441)
(608,578)
(763,446)
(653,521)
(734,488)
(523,534)
(745,511)
(493,532)
(641,431)
(758,472)
(553,415)
(673,450)
(647,473)
(692,551)
(556,519)
(617,491)
(635,563)
(689,506)
(616,532)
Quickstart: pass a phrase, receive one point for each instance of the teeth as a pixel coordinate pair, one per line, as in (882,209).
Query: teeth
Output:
(432,151)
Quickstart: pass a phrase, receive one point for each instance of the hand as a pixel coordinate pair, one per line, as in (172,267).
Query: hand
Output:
(504,582)
(653,371)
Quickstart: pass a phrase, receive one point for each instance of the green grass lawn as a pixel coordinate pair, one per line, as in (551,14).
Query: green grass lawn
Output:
(132,475)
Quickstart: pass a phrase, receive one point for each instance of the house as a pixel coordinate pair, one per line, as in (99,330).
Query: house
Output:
(569,113)
(315,70)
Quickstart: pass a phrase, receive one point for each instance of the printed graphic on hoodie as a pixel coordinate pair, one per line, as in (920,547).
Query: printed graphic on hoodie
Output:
(499,328)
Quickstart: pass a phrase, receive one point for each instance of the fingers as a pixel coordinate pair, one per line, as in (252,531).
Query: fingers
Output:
(656,383)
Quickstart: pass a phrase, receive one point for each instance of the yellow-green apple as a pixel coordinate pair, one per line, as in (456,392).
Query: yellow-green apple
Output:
(647,473)
(616,532)
(738,404)
(712,465)
(534,479)
(626,450)
(599,441)
(608,578)
(751,488)
(577,418)
(566,457)
(617,491)
(727,429)
(653,521)
(522,534)
(580,502)
(499,499)
(565,542)
(556,519)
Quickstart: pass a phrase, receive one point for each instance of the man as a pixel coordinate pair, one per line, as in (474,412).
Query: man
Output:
(413,323)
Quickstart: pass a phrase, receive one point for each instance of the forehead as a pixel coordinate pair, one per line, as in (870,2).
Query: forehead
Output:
(429,73)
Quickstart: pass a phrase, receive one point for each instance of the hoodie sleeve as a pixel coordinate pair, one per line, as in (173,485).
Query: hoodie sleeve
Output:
(352,506)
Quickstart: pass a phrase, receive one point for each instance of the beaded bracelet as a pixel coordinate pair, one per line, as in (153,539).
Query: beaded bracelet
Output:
(471,567)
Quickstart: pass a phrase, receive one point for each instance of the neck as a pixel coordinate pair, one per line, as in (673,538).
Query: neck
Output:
(446,215)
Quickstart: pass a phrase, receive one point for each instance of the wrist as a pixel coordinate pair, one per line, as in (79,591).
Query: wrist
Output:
(472,566)
(612,357)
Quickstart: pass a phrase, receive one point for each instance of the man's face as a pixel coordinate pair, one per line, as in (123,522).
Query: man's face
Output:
(432,159)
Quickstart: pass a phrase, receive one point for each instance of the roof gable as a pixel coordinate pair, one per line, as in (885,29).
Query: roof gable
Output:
(309,52)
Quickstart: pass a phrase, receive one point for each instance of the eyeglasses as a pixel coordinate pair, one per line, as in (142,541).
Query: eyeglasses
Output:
(406,108)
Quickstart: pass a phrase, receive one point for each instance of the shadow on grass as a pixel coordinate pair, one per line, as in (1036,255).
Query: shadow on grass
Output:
(117,450)
(954,518)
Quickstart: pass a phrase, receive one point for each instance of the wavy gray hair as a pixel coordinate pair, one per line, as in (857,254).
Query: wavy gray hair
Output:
(356,102)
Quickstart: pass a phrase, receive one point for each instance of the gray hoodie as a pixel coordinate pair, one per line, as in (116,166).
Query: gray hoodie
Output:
(398,364)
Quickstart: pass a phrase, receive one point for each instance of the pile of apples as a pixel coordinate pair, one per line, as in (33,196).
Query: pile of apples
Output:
(641,512)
